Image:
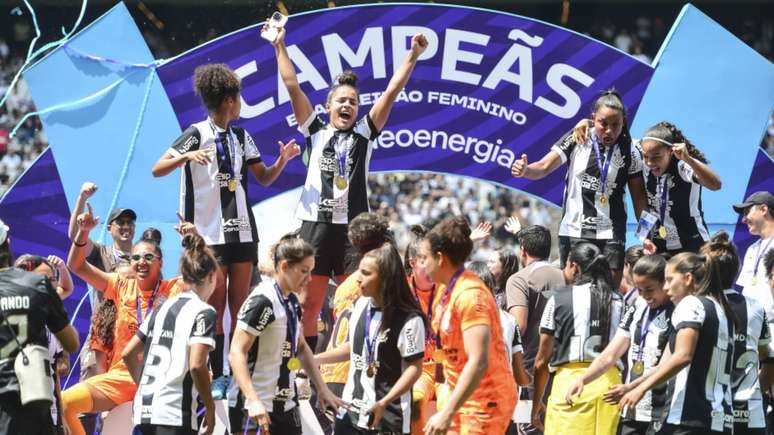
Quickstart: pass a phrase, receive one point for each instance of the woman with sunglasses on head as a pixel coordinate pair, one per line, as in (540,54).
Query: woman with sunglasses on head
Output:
(268,349)
(135,298)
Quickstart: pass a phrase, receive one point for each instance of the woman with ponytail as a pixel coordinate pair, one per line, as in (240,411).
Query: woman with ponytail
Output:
(578,322)
(337,154)
(468,338)
(675,172)
(602,162)
(644,331)
(176,341)
(697,363)
(268,350)
(750,345)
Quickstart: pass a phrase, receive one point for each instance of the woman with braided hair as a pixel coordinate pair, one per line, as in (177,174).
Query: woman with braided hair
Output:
(675,172)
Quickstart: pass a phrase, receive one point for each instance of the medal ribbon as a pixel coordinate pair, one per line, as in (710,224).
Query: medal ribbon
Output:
(222,152)
(629,295)
(140,317)
(342,152)
(429,313)
(603,166)
(290,312)
(444,302)
(664,194)
(370,341)
(645,321)
(758,254)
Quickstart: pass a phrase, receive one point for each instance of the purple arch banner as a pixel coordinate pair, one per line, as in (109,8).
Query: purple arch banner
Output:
(490,86)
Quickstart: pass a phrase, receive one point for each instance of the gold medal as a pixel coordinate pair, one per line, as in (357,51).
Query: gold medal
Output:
(662,232)
(341,182)
(371,370)
(232,185)
(603,199)
(754,281)
(294,364)
(638,368)
(321,326)
(439,356)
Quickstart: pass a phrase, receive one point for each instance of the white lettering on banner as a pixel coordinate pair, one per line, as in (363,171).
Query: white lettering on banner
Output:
(482,151)
(461,65)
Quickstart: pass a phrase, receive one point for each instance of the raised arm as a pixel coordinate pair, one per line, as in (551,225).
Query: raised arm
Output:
(302,107)
(381,109)
(266,175)
(168,163)
(76,260)
(64,287)
(87,190)
(704,175)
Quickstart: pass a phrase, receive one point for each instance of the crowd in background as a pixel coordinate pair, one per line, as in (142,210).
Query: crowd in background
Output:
(640,35)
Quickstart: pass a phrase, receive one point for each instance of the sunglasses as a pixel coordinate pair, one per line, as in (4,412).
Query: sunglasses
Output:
(147,257)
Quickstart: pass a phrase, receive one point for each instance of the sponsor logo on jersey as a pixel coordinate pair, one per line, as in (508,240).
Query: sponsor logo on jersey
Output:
(236,224)
(189,143)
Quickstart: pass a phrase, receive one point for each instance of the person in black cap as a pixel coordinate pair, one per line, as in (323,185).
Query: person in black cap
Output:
(28,305)
(758,214)
(121,224)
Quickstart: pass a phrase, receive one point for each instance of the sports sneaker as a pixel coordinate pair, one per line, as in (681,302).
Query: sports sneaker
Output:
(220,387)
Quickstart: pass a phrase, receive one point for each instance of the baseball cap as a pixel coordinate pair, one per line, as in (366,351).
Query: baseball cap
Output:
(118,212)
(756,198)
(3,232)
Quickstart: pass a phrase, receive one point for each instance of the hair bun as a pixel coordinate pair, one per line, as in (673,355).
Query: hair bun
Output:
(193,242)
(348,78)
(720,237)
(418,230)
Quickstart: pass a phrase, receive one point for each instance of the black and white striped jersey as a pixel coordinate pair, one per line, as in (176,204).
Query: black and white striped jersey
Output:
(511,336)
(677,190)
(220,215)
(166,394)
(700,393)
(333,152)
(648,331)
(263,315)
(575,320)
(583,215)
(745,386)
(394,346)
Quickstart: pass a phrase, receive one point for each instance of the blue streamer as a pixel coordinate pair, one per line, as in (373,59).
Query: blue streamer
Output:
(121,178)
(32,55)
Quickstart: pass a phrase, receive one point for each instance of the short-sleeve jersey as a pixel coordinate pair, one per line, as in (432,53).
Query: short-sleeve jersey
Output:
(395,345)
(511,336)
(28,305)
(745,386)
(576,321)
(700,393)
(166,394)
(220,215)
(263,315)
(648,331)
(684,216)
(322,200)
(752,278)
(124,293)
(470,303)
(583,214)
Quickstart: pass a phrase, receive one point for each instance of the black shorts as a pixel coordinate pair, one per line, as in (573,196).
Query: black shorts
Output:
(280,422)
(613,250)
(344,426)
(333,253)
(672,429)
(158,429)
(627,426)
(236,253)
(34,419)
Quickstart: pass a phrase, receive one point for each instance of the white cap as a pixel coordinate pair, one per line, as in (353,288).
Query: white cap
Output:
(3,232)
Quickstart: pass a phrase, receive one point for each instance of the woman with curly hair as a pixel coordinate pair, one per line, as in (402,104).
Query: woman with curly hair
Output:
(675,172)
(216,157)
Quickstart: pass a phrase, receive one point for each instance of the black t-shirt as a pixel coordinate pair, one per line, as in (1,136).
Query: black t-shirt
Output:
(28,304)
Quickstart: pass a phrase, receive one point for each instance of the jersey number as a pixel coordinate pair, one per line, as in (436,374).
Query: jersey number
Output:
(157,363)
(747,364)
(19,323)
